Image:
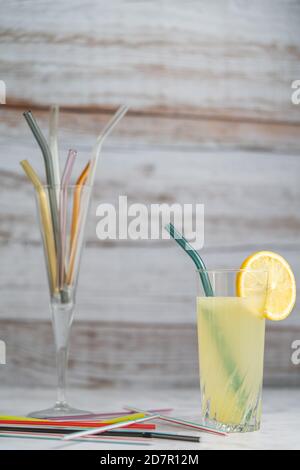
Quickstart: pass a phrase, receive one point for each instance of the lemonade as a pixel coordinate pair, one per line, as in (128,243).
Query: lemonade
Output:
(232,307)
(231,332)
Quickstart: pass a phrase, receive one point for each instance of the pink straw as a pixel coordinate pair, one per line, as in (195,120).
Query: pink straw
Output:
(63,210)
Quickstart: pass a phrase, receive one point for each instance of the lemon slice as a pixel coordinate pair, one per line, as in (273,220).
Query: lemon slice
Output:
(281,289)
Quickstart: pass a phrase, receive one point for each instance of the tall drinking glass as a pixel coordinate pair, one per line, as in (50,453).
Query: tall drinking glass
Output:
(231,336)
(63,246)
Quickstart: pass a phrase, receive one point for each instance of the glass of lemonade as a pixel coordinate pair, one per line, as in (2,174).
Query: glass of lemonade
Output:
(231,336)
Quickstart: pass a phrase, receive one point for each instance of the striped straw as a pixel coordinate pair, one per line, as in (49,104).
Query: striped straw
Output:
(178,421)
(126,440)
(91,432)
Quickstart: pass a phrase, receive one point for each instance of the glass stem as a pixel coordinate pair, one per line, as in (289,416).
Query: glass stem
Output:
(62,315)
(61,364)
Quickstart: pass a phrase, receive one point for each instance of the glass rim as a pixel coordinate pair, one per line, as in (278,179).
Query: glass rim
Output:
(231,270)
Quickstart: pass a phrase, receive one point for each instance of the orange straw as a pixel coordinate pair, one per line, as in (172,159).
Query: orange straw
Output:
(75,219)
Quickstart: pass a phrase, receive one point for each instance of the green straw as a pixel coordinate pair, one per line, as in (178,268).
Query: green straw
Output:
(236,380)
(198,261)
(50,177)
(39,137)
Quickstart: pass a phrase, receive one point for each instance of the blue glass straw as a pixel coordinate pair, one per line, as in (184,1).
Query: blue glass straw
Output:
(198,261)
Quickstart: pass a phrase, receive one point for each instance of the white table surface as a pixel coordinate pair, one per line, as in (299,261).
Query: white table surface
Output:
(280,427)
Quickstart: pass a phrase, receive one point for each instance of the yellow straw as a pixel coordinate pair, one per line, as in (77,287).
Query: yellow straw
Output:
(45,219)
(129,417)
(75,219)
(18,418)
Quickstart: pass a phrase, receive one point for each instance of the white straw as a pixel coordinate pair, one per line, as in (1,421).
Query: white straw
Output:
(53,144)
(104,133)
(91,432)
(180,422)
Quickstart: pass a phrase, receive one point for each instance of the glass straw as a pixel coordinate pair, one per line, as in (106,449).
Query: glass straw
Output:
(53,144)
(63,211)
(194,255)
(104,133)
(46,221)
(88,177)
(39,136)
(76,217)
(76,204)
(226,356)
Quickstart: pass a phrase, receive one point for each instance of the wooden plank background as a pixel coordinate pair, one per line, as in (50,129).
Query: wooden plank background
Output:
(211,121)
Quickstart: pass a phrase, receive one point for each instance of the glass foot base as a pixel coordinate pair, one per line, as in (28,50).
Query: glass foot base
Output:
(59,410)
(232,428)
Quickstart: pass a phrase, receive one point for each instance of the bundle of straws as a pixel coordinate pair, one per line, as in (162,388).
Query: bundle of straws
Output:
(52,199)
(131,427)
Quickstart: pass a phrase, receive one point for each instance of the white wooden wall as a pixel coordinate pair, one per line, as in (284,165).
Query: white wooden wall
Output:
(211,121)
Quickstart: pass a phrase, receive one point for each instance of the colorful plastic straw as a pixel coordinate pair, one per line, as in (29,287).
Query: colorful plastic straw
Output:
(180,422)
(53,144)
(114,433)
(45,220)
(87,423)
(65,181)
(75,220)
(126,440)
(75,425)
(91,432)
(104,133)
(7,418)
(198,261)
(49,174)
